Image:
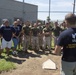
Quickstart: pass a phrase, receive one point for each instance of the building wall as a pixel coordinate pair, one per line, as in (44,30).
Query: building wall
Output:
(13,9)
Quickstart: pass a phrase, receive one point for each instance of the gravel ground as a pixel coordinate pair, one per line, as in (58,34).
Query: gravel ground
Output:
(31,64)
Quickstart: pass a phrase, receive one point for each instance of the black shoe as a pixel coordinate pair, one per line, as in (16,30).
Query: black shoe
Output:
(43,50)
(36,51)
(50,52)
(41,47)
(15,53)
(1,56)
(26,51)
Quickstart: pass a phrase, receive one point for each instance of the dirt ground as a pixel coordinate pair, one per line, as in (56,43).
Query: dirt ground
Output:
(31,64)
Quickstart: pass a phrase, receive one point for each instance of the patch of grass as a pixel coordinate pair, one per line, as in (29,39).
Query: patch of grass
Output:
(6,65)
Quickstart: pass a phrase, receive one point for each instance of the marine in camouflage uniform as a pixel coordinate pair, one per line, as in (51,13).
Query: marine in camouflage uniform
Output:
(40,35)
(35,38)
(57,30)
(47,33)
(27,34)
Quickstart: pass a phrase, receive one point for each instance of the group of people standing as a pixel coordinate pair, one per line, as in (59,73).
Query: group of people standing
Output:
(37,36)
(8,34)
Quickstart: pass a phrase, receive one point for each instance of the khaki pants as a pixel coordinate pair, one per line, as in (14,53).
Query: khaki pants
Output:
(26,42)
(47,41)
(55,40)
(40,41)
(35,42)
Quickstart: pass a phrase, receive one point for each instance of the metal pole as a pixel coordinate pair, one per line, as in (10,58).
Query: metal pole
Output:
(49,10)
(74,7)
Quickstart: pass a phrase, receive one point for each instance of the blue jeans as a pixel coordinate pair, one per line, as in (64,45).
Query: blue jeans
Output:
(15,41)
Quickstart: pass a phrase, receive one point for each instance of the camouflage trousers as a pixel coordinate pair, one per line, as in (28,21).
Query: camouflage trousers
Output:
(40,40)
(26,42)
(35,42)
(47,41)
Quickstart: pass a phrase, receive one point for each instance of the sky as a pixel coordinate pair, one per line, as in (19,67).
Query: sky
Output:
(58,8)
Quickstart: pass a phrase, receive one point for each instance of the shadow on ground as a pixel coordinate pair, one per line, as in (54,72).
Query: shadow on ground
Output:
(22,56)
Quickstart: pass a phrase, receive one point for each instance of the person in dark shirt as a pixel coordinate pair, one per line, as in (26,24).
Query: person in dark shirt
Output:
(19,22)
(47,35)
(35,38)
(6,32)
(40,35)
(27,34)
(67,40)
(15,38)
(63,25)
(57,30)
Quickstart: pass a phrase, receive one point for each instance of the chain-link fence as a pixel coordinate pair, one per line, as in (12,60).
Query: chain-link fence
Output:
(53,11)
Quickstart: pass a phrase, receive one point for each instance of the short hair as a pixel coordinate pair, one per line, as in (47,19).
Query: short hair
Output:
(70,18)
(5,20)
(15,22)
(18,19)
(46,22)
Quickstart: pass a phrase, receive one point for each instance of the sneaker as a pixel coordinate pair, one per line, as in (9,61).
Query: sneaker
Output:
(50,51)
(1,56)
(26,51)
(44,50)
(23,49)
(15,53)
